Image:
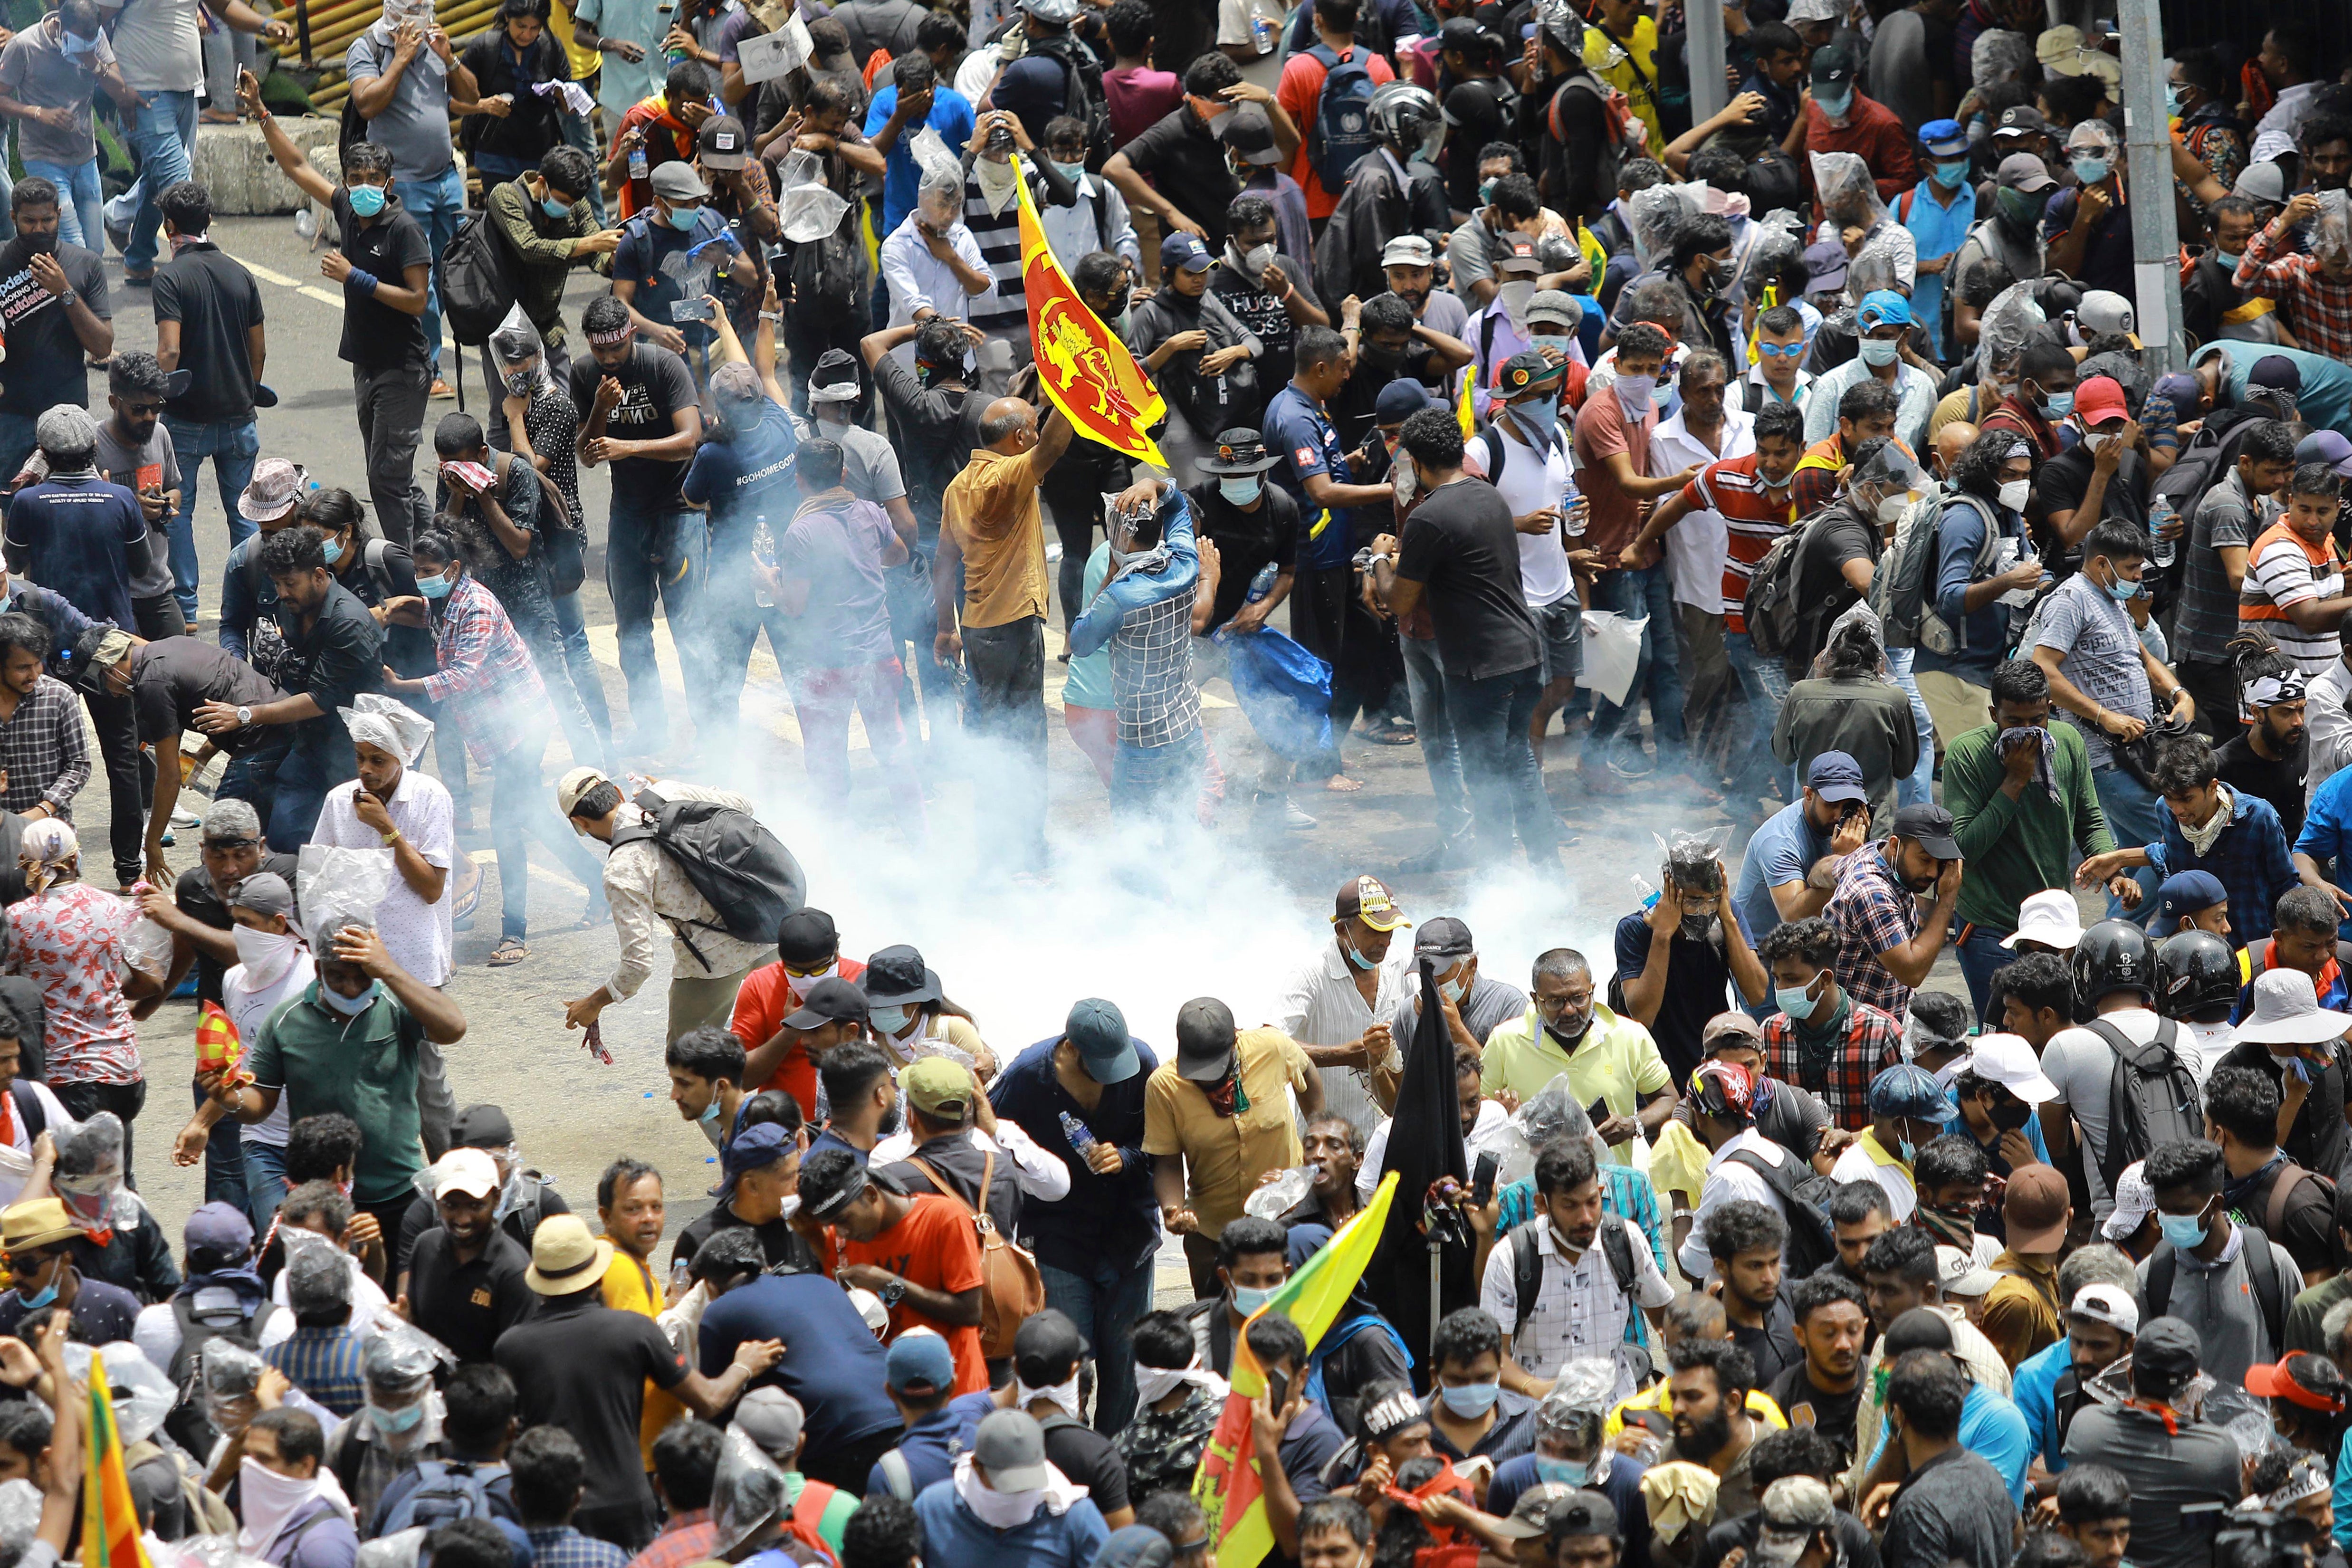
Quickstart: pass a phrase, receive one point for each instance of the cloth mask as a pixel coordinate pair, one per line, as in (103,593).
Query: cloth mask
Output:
(264,954)
(1064,1395)
(1635,395)
(1154,1384)
(366,200)
(1515,296)
(998,1510)
(1543,412)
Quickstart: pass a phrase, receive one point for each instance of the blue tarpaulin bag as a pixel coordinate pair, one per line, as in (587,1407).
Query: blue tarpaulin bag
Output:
(1285,691)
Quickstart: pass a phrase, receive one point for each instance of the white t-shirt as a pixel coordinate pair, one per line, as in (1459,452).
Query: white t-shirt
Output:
(1698,544)
(248,1009)
(13,1173)
(1529,485)
(420,937)
(2083,1065)
(1729,1179)
(2207,1044)
(1492,1120)
(1856,1165)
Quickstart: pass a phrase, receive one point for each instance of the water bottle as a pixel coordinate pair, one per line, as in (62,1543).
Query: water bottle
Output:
(1081,1138)
(1262,584)
(1261,33)
(1571,521)
(640,166)
(2162,515)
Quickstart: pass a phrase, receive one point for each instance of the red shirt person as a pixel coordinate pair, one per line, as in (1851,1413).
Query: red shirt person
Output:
(808,950)
(920,1253)
(1841,118)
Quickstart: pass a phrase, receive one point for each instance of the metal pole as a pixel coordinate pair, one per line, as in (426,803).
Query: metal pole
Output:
(2155,236)
(1436,1255)
(1704,52)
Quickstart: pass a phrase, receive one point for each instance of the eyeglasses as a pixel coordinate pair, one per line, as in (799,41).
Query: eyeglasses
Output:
(142,410)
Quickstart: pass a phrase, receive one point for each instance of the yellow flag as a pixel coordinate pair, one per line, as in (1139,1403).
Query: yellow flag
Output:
(1081,364)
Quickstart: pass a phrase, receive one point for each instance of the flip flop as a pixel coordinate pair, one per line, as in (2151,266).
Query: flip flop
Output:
(469,897)
(1391,735)
(510,950)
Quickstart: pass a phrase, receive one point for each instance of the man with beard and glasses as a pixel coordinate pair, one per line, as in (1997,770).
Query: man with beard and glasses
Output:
(56,317)
(1675,959)
(1822,1387)
(1607,1057)
(2269,759)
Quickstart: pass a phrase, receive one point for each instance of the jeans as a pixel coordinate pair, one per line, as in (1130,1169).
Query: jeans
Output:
(823,701)
(233,447)
(118,748)
(1005,705)
(1765,682)
(732,620)
(1105,1302)
(1634,594)
(436,204)
(77,197)
(1499,763)
(162,132)
(319,759)
(1151,786)
(266,1185)
(519,805)
(2135,814)
(16,443)
(1978,957)
(392,400)
(1918,786)
(581,664)
(1426,682)
(656,555)
(577,133)
(225,1172)
(225,50)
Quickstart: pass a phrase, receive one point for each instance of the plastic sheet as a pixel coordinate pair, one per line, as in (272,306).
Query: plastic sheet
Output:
(339,888)
(1653,215)
(2007,324)
(747,1492)
(1280,1195)
(520,355)
(226,1376)
(143,1395)
(811,208)
(1848,192)
(1284,690)
(89,1178)
(1613,653)
(2000,55)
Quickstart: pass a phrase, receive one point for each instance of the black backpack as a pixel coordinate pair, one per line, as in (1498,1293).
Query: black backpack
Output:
(745,871)
(1083,99)
(1779,622)
(2151,1097)
(187,1424)
(2270,1292)
(1527,1266)
(477,281)
(1805,1199)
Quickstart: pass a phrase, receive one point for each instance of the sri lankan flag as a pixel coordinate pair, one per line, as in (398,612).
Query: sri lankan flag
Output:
(1081,363)
(1227,1485)
(109,1525)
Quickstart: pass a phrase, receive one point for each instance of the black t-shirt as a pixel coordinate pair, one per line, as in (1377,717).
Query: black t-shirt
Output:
(1247,542)
(1833,538)
(467,1306)
(1698,986)
(2305,1222)
(339,656)
(425,1215)
(175,676)
(1459,544)
(2316,1139)
(201,902)
(777,1238)
(935,429)
(1354,408)
(216,304)
(1476,114)
(376,336)
(1805,1404)
(1090,1460)
(2243,768)
(46,363)
(654,384)
(1264,314)
(2066,478)
(581,1365)
(1178,155)
(1773,1347)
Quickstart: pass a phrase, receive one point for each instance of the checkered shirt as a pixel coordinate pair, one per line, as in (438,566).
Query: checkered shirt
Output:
(45,747)
(2317,311)
(324,1362)
(1873,912)
(688,1538)
(1873,1042)
(564,1547)
(486,677)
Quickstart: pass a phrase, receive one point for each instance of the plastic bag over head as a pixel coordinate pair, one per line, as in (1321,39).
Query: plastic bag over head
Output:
(520,356)
(143,1395)
(89,1178)
(1695,860)
(1848,192)
(400,1359)
(339,888)
(2007,324)
(1870,271)
(2331,235)
(810,207)
(388,723)
(222,1552)
(747,1492)
(226,1376)
(939,165)
(1581,1394)
(1653,215)
(2000,55)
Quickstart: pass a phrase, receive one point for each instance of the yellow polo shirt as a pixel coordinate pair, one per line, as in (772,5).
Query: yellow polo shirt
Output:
(1617,1061)
(630,1285)
(1225,1155)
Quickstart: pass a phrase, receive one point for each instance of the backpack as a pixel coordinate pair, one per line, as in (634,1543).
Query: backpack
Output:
(1342,134)
(445,1490)
(2262,1270)
(203,1512)
(1779,622)
(1499,449)
(1625,129)
(1526,1268)
(2282,1188)
(1011,1289)
(2151,1097)
(188,1424)
(478,279)
(1083,99)
(1806,1200)
(1903,589)
(750,877)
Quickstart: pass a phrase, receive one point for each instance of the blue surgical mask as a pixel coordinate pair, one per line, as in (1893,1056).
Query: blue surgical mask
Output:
(1471,1400)
(681,218)
(1950,174)
(1248,1300)
(1797,1001)
(1073,172)
(1554,341)
(1880,351)
(393,1422)
(1543,412)
(1835,106)
(554,208)
(73,47)
(366,200)
(2091,171)
(1242,491)
(434,588)
(2058,405)
(1904,1150)
(2123,589)
(2184,1231)
(42,1299)
(2172,103)
(1453,990)
(349,1007)
(333,550)
(711,1111)
(1563,1472)
(889,1020)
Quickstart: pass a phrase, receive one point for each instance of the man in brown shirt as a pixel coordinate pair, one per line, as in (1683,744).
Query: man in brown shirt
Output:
(992,526)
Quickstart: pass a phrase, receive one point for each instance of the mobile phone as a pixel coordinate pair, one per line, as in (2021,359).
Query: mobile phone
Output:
(1277,1390)
(689,310)
(1598,1111)
(1481,1183)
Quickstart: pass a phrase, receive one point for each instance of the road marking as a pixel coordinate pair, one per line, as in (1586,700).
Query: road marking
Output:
(313,291)
(266,274)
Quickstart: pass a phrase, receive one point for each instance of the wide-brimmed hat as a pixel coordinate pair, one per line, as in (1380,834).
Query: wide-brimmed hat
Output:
(2287,1011)
(274,490)
(897,977)
(1239,452)
(564,1258)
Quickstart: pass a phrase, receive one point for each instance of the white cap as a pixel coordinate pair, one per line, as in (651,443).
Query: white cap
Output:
(2051,918)
(2287,1011)
(2135,1200)
(870,1308)
(2106,1304)
(1961,1273)
(468,1171)
(2009,1061)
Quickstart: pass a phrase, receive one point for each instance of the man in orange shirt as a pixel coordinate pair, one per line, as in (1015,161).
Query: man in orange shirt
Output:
(776,1056)
(1300,92)
(920,1254)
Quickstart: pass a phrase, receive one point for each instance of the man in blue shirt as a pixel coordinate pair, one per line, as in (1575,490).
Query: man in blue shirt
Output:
(743,473)
(919,1376)
(901,109)
(1034,1518)
(1832,820)
(1094,1246)
(74,532)
(1939,211)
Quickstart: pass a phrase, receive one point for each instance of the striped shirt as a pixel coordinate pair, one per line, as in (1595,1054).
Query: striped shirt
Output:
(323,1362)
(1731,491)
(1005,308)
(2284,569)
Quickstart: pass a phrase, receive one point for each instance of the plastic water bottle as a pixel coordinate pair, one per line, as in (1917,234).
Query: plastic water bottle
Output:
(1571,521)
(2162,515)
(1262,584)
(1081,1137)
(640,166)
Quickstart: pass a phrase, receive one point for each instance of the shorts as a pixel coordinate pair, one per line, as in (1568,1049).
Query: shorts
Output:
(1560,626)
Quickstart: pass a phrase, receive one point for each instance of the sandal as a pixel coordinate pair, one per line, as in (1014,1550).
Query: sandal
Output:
(510,950)
(469,895)
(1392,734)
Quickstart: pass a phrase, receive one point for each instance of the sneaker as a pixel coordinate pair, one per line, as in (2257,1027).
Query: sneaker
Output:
(1639,767)
(183,817)
(1295,819)
(1446,854)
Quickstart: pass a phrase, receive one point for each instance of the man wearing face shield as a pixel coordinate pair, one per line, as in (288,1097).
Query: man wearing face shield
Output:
(397,1428)
(1569,1450)
(2087,225)
(2176,1461)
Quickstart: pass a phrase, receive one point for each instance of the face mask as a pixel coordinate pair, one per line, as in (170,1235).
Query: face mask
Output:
(554,208)
(2011,1115)
(1834,107)
(2089,171)
(1904,1150)
(349,1007)
(1256,261)
(1073,172)
(2058,405)
(1248,1300)
(522,382)
(1878,351)
(2014,493)
(680,218)
(1240,493)
(2186,1232)
(366,200)
(1797,1001)
(1471,1400)
(1154,1384)
(332,550)
(2020,207)
(2094,442)
(1722,274)
(1454,990)
(711,1111)
(40,1299)
(434,588)
(1542,413)
(1550,341)
(1486,192)
(1514,297)
(2123,590)
(889,1020)
(2172,103)
(73,47)
(393,1422)
(1633,394)
(1891,510)
(2227,259)
(1949,175)
(264,954)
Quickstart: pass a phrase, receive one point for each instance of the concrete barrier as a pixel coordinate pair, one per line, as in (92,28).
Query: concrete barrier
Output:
(234,165)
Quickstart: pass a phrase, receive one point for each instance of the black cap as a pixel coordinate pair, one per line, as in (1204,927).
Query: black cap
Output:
(829,1001)
(2164,1355)
(1045,1345)
(807,937)
(1248,135)
(723,143)
(898,975)
(1527,370)
(1930,827)
(1465,36)
(1832,66)
(481,1127)
(1921,1328)
(1205,1040)
(1444,937)
(2021,119)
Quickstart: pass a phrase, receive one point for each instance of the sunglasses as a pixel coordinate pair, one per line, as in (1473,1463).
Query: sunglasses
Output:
(1782,351)
(142,410)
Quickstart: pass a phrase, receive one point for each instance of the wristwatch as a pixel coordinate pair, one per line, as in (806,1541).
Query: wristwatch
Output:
(891,1293)
(776,316)
(244,717)
(68,298)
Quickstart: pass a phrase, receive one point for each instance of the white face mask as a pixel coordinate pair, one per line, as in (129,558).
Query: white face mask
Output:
(1514,295)
(1063,1394)
(1252,262)
(264,954)
(998,1510)
(1635,395)
(1154,1384)
(2013,495)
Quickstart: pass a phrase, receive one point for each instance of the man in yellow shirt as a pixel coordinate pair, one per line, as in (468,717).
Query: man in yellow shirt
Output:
(1621,45)
(629,1206)
(1566,1029)
(1651,1412)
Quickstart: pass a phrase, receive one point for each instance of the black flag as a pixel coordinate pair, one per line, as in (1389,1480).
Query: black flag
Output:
(1425,1147)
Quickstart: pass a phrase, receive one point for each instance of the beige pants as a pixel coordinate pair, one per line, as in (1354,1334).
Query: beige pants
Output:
(1955,705)
(699,1002)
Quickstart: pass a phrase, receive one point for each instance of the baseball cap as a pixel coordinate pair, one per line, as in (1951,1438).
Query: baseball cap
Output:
(1944,139)
(1046,1342)
(1883,308)
(1833,66)
(575,783)
(722,142)
(2277,372)
(829,1001)
(773,1419)
(2186,892)
(677,181)
(1826,264)
(2262,182)
(2104,310)
(1581,1513)
(2134,1201)
(1554,305)
(1248,134)
(1909,1091)
(1530,1515)
(2051,918)
(1398,401)
(1921,1327)
(2021,119)
(1516,254)
(1962,1275)
(1930,827)
(1367,899)
(1730,1028)
(481,1127)
(1795,1510)
(939,1089)
(1409,249)
(2167,1350)
(1099,1031)
(1135,1546)
(2108,1304)
(265,893)
(2035,1209)
(1204,1041)
(1835,775)
(2009,1060)
(1011,1446)
(220,1230)
(2327,447)
(2100,399)
(1444,937)
(1184,252)
(758,1146)
(1526,372)
(468,1171)
(2024,171)
(919,1362)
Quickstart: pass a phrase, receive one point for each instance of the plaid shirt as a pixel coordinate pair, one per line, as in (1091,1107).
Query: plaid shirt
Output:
(2318,309)
(564,1547)
(486,673)
(45,747)
(2251,858)
(687,1538)
(1625,1192)
(1873,912)
(1874,1042)
(323,1362)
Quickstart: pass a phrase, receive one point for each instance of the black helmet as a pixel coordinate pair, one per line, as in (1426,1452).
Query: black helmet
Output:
(2113,955)
(2194,970)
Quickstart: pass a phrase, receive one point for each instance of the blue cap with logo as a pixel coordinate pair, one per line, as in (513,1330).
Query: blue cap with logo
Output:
(1944,139)
(2186,892)
(1184,251)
